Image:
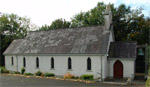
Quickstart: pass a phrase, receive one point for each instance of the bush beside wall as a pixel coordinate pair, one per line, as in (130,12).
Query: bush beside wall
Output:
(28,74)
(38,73)
(87,77)
(49,74)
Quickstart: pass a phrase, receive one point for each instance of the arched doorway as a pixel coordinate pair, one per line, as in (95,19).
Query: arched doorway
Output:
(118,69)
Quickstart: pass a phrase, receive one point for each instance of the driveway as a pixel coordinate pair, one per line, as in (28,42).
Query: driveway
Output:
(18,81)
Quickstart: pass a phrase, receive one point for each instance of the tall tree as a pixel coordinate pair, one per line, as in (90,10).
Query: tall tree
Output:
(90,18)
(11,27)
(128,25)
(57,24)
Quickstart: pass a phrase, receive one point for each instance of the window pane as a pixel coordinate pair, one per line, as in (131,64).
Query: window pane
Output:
(52,62)
(88,64)
(24,62)
(12,61)
(37,62)
(69,63)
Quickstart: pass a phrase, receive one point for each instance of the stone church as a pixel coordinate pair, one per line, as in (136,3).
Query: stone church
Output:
(84,50)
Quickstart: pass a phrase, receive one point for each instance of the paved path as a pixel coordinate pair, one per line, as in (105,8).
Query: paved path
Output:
(18,81)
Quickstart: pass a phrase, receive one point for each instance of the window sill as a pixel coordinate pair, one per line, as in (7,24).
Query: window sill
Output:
(52,69)
(89,70)
(37,68)
(69,70)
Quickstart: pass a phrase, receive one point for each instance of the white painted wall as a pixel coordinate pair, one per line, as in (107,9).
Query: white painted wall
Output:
(8,63)
(79,65)
(105,64)
(128,67)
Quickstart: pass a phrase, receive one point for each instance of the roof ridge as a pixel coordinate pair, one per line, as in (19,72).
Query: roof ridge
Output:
(69,28)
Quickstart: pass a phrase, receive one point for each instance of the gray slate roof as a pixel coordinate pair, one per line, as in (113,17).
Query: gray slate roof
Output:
(122,49)
(85,40)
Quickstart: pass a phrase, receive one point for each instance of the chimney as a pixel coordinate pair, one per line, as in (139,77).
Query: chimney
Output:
(108,17)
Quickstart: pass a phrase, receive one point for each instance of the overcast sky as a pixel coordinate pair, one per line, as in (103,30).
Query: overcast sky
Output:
(45,11)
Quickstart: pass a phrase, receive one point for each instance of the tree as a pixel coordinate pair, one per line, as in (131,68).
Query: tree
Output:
(12,27)
(90,18)
(128,25)
(45,27)
(57,24)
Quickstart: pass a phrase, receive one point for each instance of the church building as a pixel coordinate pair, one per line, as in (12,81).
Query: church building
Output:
(84,50)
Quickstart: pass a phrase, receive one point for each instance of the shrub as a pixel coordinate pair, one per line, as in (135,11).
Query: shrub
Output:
(22,70)
(68,76)
(49,74)
(38,73)
(75,77)
(17,72)
(148,83)
(3,70)
(87,77)
(28,74)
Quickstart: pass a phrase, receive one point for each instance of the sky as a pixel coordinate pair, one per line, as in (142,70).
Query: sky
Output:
(43,12)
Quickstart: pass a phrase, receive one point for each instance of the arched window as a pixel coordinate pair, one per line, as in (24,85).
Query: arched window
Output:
(52,63)
(37,62)
(69,63)
(88,63)
(12,61)
(24,62)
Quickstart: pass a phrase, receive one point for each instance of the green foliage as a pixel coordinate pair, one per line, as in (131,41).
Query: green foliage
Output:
(28,74)
(49,74)
(75,77)
(148,58)
(93,17)
(3,70)
(56,24)
(38,73)
(87,77)
(11,27)
(17,72)
(148,83)
(59,24)
(45,27)
(22,70)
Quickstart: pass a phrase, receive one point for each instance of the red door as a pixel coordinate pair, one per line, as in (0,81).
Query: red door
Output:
(118,69)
